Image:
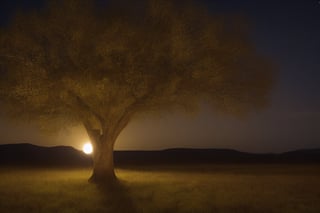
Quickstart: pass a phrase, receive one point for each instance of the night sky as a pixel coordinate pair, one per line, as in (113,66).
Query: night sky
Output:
(287,32)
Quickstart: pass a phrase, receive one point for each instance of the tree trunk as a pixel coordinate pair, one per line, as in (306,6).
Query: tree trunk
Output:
(103,167)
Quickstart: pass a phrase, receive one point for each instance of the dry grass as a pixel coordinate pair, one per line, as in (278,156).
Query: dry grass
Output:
(217,188)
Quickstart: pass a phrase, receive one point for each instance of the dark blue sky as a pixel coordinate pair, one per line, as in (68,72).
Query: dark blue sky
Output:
(288,32)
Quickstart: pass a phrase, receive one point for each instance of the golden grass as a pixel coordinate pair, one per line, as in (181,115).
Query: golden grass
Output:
(217,188)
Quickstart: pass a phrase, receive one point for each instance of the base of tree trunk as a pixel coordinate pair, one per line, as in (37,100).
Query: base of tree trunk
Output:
(107,179)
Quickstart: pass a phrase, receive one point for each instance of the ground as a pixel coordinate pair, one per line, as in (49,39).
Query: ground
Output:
(196,188)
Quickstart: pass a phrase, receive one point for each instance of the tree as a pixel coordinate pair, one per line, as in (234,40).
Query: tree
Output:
(73,62)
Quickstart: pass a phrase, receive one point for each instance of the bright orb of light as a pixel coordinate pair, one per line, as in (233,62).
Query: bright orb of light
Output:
(87,148)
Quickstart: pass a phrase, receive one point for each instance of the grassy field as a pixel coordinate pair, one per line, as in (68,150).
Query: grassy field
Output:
(202,188)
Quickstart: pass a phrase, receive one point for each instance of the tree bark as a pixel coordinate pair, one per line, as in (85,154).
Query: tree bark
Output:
(103,166)
(103,143)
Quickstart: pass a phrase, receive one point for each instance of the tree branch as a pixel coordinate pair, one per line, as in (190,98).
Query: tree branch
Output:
(94,134)
(127,115)
(86,107)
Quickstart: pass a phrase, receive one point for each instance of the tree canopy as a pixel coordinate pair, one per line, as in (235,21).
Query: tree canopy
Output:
(73,61)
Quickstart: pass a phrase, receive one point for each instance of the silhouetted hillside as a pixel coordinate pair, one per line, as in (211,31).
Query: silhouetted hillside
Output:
(64,156)
(198,156)
(31,155)
(303,155)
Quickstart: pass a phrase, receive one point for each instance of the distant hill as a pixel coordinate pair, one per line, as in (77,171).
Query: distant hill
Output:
(64,156)
(198,156)
(25,154)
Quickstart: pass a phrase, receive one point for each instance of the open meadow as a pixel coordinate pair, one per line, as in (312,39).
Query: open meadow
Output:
(199,188)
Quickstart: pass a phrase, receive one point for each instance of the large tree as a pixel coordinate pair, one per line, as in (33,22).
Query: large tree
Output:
(74,62)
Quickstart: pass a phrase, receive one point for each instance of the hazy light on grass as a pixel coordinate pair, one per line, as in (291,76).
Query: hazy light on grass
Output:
(179,189)
(87,148)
